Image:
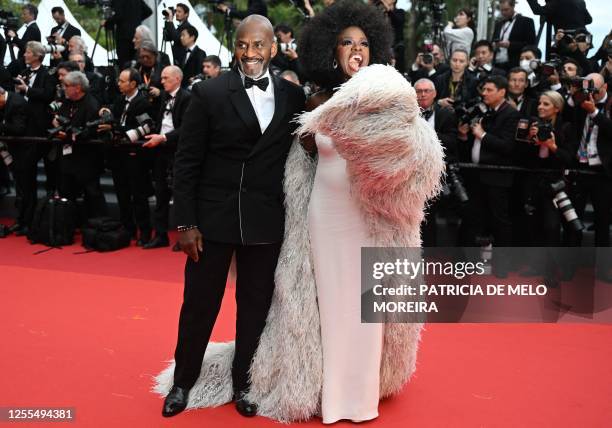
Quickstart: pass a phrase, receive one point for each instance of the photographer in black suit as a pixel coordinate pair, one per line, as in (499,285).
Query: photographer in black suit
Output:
(174,102)
(228,197)
(29,13)
(490,140)
(194,56)
(511,34)
(128,15)
(130,167)
(13,122)
(563,14)
(80,164)
(172,34)
(593,152)
(63,31)
(444,122)
(38,88)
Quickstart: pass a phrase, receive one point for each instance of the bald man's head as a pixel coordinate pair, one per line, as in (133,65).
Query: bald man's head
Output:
(171,78)
(255,45)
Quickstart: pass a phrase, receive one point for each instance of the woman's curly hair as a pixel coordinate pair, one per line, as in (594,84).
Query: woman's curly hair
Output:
(319,38)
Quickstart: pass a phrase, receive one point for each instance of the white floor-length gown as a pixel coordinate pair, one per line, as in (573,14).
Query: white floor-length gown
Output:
(351,350)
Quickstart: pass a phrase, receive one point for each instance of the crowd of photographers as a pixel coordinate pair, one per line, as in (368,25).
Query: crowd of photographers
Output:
(511,122)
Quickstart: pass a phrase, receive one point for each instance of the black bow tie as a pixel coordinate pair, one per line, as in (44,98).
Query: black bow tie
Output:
(428,113)
(261,83)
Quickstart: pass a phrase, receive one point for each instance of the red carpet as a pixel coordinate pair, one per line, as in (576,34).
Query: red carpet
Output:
(90,330)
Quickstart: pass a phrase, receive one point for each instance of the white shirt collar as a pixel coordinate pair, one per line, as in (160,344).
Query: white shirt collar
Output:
(129,99)
(173,93)
(266,74)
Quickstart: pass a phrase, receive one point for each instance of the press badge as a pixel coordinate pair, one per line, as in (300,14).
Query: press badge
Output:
(67,150)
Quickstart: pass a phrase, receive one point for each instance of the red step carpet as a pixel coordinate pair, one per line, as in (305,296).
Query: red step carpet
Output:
(89,331)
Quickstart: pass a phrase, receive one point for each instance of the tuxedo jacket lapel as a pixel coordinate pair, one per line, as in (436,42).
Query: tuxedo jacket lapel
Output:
(280,101)
(242,104)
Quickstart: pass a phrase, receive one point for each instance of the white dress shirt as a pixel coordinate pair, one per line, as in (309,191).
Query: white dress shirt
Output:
(262,101)
(167,124)
(478,142)
(504,35)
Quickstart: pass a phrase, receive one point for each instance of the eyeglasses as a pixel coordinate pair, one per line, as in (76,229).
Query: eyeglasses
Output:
(424,91)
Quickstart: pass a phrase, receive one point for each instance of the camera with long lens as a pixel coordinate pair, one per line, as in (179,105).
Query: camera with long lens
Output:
(470,111)
(146,125)
(548,68)
(106,118)
(455,184)
(565,206)
(51,49)
(437,8)
(165,11)
(8,20)
(64,125)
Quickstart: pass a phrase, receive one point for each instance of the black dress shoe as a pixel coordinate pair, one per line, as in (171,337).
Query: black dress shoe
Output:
(175,401)
(145,237)
(157,242)
(176,247)
(246,408)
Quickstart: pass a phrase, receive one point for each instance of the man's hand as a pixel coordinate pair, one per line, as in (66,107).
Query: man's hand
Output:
(56,55)
(589,105)
(21,86)
(154,140)
(170,15)
(554,79)
(446,102)
(291,54)
(154,92)
(11,34)
(478,130)
(222,7)
(191,243)
(464,129)
(503,44)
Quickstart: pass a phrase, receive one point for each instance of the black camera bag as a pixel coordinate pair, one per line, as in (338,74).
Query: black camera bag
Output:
(105,234)
(54,222)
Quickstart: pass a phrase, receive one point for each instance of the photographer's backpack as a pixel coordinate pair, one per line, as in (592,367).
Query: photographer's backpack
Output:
(104,234)
(54,222)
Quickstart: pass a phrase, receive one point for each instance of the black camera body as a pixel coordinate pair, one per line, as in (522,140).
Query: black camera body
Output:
(106,118)
(470,111)
(583,94)
(545,130)
(146,125)
(165,12)
(455,184)
(64,126)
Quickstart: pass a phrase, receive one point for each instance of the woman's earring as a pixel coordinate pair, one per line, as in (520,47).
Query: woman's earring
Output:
(334,64)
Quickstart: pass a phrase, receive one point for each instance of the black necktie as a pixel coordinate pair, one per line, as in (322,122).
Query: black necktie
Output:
(428,113)
(261,83)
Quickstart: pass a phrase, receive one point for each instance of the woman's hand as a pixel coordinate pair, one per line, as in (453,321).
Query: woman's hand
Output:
(446,102)
(533,131)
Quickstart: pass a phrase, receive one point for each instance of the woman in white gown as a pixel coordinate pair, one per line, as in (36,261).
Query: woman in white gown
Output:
(377,162)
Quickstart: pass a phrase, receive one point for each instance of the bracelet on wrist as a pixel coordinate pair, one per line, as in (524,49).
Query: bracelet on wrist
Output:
(186,228)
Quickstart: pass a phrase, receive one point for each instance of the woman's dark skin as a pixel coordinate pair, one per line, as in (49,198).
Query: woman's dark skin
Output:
(352,53)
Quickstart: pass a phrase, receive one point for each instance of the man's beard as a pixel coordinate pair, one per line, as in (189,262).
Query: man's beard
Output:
(264,69)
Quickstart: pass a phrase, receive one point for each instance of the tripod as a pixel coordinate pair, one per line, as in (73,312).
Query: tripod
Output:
(111,44)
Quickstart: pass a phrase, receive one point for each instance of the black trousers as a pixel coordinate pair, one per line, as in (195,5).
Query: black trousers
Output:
(71,185)
(25,156)
(162,164)
(132,182)
(597,188)
(204,288)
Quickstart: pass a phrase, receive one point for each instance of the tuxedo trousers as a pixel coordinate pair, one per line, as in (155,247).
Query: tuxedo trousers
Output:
(205,282)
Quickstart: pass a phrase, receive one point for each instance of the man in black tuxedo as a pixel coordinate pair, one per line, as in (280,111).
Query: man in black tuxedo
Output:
(517,93)
(481,64)
(130,167)
(29,14)
(228,197)
(80,164)
(194,56)
(511,34)
(13,122)
(38,88)
(128,15)
(172,34)
(63,31)
(594,153)
(254,7)
(174,102)
(444,122)
(492,142)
